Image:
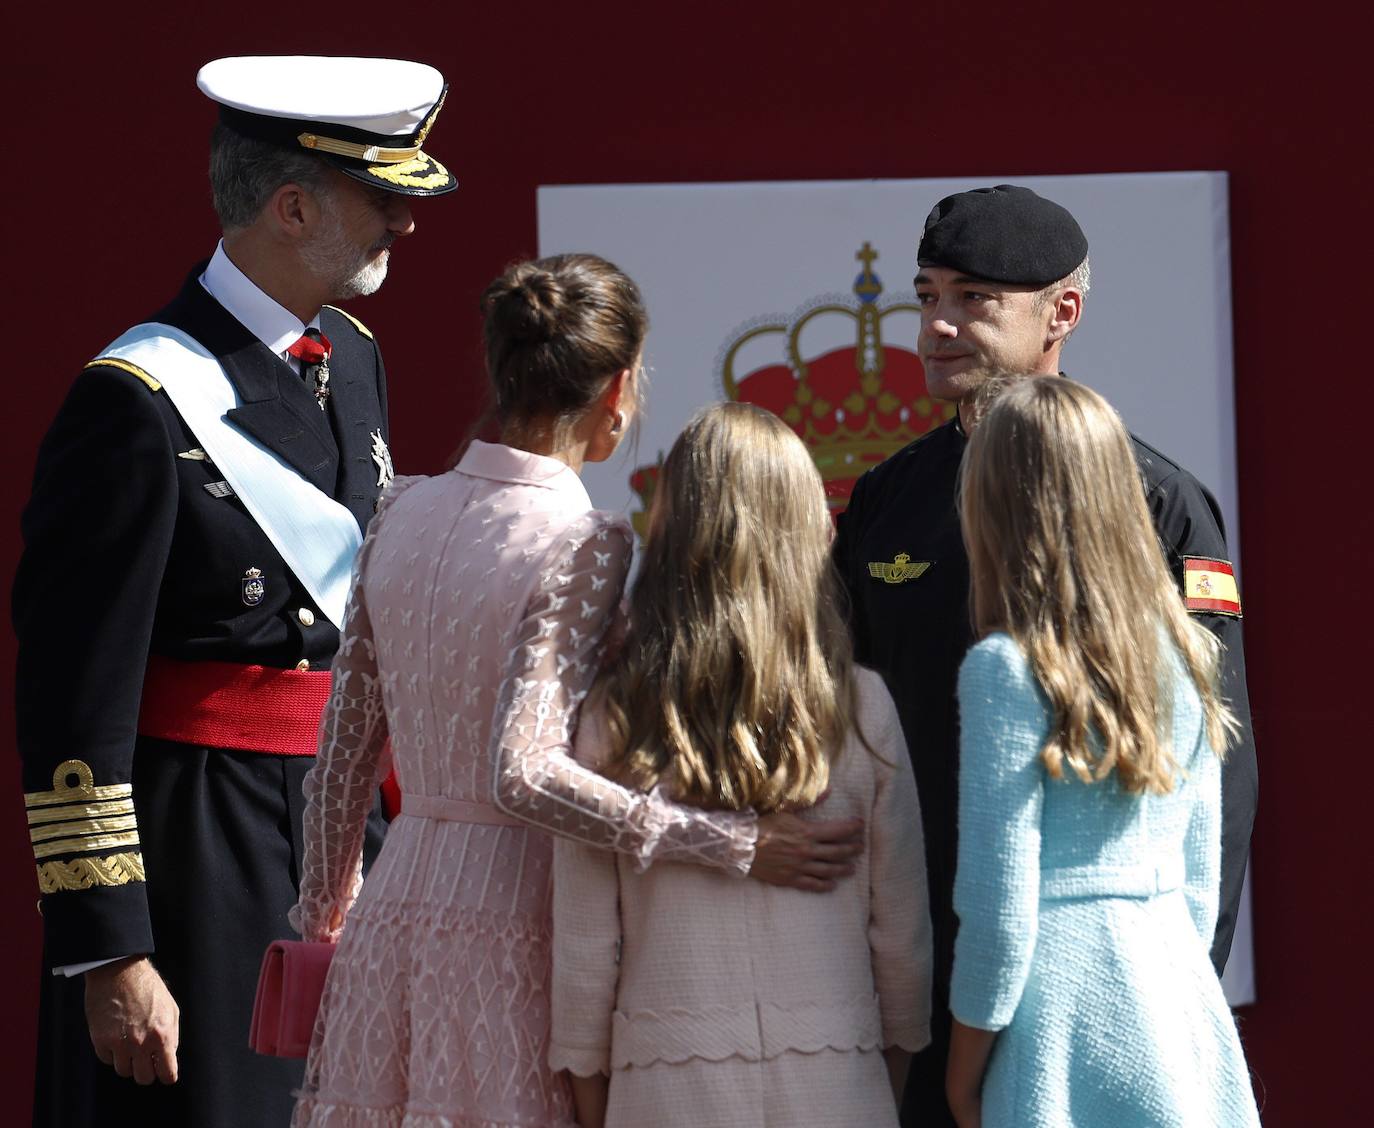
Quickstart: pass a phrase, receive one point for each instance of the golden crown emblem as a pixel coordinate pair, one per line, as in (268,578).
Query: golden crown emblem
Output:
(853,405)
(853,397)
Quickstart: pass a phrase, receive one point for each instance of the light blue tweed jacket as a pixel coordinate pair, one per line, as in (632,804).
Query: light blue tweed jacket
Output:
(1085,918)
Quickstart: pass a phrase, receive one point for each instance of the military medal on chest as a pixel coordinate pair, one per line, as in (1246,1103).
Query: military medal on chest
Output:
(253,587)
(313,350)
(382,457)
(322,382)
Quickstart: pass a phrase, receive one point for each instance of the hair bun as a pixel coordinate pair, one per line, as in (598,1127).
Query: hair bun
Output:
(557,330)
(532,306)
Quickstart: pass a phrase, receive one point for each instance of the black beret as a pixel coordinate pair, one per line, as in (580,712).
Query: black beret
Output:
(1004,234)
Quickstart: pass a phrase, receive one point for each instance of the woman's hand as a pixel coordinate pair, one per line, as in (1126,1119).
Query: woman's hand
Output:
(968,1112)
(803,854)
(589,1099)
(898,1062)
(969,1049)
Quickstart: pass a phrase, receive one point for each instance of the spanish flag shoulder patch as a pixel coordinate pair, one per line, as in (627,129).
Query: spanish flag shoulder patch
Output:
(1209,586)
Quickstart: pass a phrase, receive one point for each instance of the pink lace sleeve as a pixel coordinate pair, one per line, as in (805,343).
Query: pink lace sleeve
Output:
(341,787)
(555,656)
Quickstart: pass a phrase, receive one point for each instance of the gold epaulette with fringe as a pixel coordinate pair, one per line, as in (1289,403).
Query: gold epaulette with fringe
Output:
(131,369)
(358,325)
(76,819)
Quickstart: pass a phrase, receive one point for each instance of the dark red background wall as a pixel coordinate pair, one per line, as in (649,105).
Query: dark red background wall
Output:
(104,150)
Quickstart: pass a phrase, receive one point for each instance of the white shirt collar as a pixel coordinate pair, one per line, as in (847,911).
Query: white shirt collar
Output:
(272,324)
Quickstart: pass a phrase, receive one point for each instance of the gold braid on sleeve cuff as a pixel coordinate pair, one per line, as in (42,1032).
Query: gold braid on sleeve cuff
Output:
(77,817)
(84,873)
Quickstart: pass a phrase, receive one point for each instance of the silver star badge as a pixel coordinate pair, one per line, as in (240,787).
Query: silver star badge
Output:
(382,457)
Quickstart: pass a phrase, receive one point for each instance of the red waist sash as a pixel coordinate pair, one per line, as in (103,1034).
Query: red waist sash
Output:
(223,705)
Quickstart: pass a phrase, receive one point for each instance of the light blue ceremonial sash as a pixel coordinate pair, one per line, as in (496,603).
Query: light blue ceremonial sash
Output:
(316,536)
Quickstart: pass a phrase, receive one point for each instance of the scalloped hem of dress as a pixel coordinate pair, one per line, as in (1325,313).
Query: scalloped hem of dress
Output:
(579,1063)
(641,1061)
(311,1113)
(910,1045)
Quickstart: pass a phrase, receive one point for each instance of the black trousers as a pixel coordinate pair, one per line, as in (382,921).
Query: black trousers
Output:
(221,841)
(923,1103)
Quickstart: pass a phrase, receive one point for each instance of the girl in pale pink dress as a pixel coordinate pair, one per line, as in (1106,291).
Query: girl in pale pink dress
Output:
(720,1004)
(473,630)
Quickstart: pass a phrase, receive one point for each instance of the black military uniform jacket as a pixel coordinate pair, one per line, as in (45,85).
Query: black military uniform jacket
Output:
(917,630)
(143,845)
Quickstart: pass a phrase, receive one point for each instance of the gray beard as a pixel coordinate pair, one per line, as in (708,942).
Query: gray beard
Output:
(366,280)
(335,260)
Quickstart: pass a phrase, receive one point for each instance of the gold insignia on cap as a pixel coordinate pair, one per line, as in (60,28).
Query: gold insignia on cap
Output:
(408,175)
(429,121)
(374,154)
(901,569)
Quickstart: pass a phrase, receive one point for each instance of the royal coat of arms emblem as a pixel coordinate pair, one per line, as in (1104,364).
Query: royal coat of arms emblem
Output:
(853,402)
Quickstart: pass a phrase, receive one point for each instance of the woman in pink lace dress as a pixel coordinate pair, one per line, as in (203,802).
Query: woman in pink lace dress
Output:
(719,1004)
(474,627)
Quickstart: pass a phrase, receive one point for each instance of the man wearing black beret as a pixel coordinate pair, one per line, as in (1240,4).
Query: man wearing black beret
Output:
(1003,276)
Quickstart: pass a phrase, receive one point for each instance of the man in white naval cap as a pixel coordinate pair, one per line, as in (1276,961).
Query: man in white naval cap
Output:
(204,489)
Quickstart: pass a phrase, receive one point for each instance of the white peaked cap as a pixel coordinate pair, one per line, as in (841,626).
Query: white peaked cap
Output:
(387,96)
(368,117)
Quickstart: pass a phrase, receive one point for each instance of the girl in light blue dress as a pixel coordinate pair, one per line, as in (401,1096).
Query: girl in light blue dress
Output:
(1089,795)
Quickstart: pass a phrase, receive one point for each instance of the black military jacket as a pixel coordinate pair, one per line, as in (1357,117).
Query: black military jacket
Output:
(916,632)
(126,554)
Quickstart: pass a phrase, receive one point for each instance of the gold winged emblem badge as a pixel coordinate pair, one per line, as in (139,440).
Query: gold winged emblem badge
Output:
(901,569)
(429,121)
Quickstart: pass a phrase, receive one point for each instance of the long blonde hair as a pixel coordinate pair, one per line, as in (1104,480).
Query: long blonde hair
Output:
(1064,558)
(735,684)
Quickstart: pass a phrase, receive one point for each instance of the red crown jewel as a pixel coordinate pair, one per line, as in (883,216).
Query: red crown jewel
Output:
(852,404)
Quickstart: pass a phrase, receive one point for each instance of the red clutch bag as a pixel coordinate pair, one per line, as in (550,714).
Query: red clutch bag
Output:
(290,986)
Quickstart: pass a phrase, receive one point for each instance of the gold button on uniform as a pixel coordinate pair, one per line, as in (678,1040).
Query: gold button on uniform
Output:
(303,664)
(306,616)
